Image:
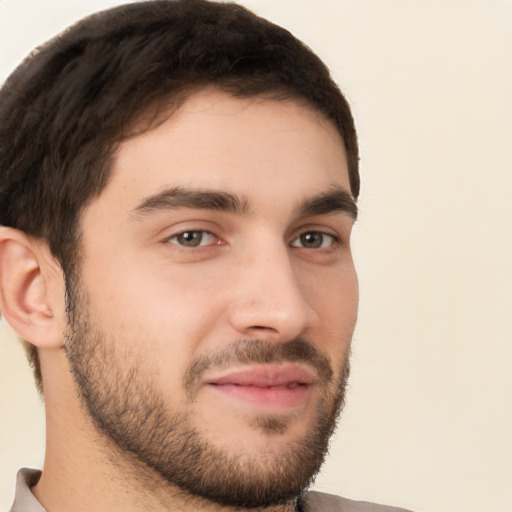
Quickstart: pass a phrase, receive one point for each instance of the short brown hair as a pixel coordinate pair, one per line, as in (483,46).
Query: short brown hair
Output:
(67,106)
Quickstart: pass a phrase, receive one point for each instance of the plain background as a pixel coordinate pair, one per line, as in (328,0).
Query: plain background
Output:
(429,416)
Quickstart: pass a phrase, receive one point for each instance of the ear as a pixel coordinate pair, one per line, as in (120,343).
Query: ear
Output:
(31,289)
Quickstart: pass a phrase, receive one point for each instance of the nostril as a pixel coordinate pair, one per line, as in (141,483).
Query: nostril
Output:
(262,328)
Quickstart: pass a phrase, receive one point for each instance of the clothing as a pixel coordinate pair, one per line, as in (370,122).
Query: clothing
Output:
(312,501)
(321,502)
(24,500)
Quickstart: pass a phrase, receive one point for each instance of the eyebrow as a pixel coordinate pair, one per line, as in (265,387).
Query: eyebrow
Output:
(182,197)
(336,200)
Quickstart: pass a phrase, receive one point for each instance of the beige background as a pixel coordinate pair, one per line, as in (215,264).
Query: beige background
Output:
(429,419)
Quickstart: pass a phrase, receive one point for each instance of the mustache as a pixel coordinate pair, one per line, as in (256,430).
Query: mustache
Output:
(258,351)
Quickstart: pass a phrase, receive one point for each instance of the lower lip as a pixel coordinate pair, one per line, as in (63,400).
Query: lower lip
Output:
(275,399)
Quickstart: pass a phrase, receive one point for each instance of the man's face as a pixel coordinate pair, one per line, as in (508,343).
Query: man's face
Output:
(217,298)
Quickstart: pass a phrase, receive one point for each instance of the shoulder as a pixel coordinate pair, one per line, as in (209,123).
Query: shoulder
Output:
(322,502)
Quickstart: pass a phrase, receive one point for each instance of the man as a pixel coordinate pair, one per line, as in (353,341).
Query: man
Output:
(178,187)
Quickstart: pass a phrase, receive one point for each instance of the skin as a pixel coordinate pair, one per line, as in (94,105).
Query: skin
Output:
(163,304)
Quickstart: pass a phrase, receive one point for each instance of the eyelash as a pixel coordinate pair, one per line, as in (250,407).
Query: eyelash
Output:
(175,239)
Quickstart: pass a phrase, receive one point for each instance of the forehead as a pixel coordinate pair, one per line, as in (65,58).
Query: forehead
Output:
(250,147)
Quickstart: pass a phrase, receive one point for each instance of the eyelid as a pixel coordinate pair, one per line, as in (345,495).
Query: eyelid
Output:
(335,229)
(176,225)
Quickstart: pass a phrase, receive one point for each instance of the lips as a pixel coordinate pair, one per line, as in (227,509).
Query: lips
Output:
(280,386)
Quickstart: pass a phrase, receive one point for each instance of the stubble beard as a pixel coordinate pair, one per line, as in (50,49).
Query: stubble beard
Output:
(117,394)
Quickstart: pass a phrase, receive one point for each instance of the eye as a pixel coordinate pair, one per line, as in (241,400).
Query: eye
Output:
(313,240)
(193,238)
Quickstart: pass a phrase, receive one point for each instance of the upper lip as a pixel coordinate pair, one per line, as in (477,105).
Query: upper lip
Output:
(266,376)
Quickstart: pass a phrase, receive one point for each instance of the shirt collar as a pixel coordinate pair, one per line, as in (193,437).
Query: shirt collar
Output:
(24,500)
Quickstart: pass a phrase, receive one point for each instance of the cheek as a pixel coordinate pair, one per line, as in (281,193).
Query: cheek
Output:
(341,309)
(334,294)
(169,308)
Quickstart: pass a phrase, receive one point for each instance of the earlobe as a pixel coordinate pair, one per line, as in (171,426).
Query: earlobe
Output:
(26,300)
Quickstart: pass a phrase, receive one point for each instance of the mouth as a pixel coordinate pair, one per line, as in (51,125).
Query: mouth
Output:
(275,387)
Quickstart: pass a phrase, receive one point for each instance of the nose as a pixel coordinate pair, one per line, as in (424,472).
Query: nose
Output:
(270,298)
